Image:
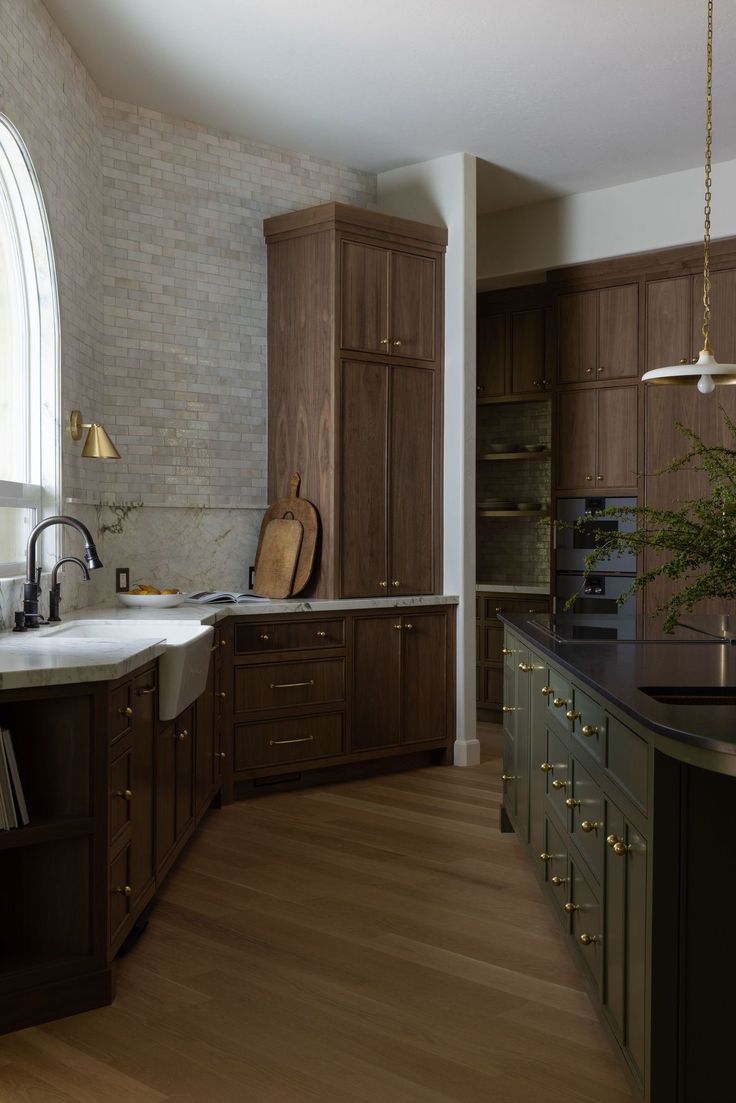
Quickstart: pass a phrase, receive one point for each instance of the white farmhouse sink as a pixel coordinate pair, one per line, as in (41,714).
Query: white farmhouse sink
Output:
(182,668)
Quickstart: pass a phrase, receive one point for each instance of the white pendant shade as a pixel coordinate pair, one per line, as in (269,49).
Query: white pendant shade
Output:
(707,373)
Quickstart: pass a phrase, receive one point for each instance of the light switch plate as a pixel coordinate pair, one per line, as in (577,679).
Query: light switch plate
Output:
(122,580)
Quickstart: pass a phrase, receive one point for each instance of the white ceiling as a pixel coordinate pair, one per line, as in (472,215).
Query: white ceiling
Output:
(558,96)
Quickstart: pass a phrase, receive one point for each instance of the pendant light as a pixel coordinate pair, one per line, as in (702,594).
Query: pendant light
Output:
(706,370)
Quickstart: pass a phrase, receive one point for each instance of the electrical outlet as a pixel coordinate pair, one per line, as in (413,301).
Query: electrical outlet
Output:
(122,580)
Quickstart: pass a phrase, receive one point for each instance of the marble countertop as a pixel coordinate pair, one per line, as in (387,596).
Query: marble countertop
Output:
(39,658)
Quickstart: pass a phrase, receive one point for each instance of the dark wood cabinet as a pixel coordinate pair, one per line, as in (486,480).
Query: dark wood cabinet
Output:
(174,787)
(514,343)
(529,374)
(142,784)
(423,677)
(491,356)
(355,359)
(599,334)
(597,439)
(209,712)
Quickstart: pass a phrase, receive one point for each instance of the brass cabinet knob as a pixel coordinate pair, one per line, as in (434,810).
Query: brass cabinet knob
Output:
(572,803)
(182,735)
(526,667)
(570,907)
(125,794)
(321,634)
(506,651)
(571,714)
(589,939)
(223,643)
(546,691)
(685,360)
(621,848)
(611,840)
(557,784)
(383,583)
(397,627)
(220,754)
(601,368)
(545,857)
(546,767)
(499,608)
(508,777)
(509,708)
(222,694)
(384,341)
(588,371)
(589,825)
(557,880)
(589,729)
(589,478)
(264,636)
(127,711)
(126,890)
(559,702)
(599,478)
(397,344)
(395,582)
(408,626)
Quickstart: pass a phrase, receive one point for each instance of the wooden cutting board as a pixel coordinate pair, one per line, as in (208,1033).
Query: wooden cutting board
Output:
(278,555)
(297,509)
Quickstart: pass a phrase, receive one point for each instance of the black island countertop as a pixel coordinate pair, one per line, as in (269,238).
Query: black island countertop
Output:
(620,671)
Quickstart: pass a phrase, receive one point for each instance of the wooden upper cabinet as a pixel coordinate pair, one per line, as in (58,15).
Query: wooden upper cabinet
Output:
(577,413)
(669,322)
(492,352)
(413,306)
(617,437)
(364,297)
(528,351)
(597,439)
(388,301)
(723,323)
(411,481)
(599,334)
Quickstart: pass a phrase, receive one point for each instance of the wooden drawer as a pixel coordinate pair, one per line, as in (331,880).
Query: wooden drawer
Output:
(589,728)
(121,774)
(627,760)
(587,925)
(554,857)
(288,636)
(587,818)
(121,893)
(516,603)
(282,685)
(559,782)
(276,742)
(121,710)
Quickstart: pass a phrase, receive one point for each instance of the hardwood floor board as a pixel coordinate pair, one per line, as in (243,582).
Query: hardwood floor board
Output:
(20,1084)
(464,826)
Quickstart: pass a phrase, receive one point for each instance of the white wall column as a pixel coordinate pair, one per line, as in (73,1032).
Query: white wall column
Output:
(443,192)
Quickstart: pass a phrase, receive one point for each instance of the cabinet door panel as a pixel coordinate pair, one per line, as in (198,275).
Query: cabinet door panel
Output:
(576,448)
(165,792)
(578,339)
(145,716)
(412,306)
(411,481)
(364,297)
(364,474)
(617,437)
(205,762)
(528,351)
(492,356)
(618,332)
(376,686)
(424,678)
(669,334)
(723,326)
(184,771)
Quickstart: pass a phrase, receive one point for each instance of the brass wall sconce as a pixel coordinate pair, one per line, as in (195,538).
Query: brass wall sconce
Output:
(98,444)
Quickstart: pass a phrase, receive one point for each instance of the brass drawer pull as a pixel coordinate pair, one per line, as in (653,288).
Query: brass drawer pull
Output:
(559,702)
(570,907)
(621,849)
(220,754)
(589,729)
(526,667)
(321,634)
(499,608)
(545,857)
(222,695)
(557,880)
(127,712)
(286,742)
(126,890)
(395,583)
(508,777)
(289,685)
(545,767)
(182,735)
(146,691)
(572,803)
(383,584)
(589,825)
(557,784)
(509,708)
(589,939)
(264,636)
(547,691)
(125,794)
(506,651)
(571,714)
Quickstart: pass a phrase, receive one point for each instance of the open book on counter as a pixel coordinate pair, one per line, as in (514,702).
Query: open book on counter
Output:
(222,597)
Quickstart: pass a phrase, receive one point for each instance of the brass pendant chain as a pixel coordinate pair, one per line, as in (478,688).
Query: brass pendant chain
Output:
(708,168)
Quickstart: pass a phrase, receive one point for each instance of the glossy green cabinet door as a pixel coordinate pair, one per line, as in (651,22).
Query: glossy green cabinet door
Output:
(625,941)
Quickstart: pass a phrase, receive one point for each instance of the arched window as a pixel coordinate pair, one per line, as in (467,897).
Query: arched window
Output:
(29,353)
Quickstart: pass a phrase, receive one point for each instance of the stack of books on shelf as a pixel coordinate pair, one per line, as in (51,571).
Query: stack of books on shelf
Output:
(13,808)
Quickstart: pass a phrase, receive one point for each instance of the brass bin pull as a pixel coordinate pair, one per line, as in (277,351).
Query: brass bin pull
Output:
(146,691)
(291,685)
(216,646)
(285,742)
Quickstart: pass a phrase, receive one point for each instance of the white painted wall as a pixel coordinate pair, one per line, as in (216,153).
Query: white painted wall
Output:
(443,192)
(631,218)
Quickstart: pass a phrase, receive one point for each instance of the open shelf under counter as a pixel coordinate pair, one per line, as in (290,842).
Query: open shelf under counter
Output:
(44,831)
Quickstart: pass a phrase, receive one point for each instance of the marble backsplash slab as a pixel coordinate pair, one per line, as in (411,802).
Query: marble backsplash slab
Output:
(180,546)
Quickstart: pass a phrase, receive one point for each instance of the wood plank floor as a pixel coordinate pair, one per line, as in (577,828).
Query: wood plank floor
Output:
(376,941)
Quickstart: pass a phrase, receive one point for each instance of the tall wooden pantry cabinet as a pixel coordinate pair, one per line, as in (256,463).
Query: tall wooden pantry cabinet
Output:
(355,377)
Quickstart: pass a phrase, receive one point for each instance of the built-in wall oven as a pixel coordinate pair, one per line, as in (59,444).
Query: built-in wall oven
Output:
(597,606)
(574,545)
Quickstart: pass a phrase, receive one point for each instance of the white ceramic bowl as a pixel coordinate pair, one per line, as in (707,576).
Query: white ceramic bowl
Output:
(151,601)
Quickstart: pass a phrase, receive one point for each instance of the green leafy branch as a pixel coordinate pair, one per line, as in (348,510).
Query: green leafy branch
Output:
(698,539)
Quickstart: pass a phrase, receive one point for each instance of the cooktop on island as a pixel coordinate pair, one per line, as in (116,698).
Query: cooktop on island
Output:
(585,628)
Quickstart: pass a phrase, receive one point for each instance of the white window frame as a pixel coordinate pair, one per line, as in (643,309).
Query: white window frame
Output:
(21,196)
